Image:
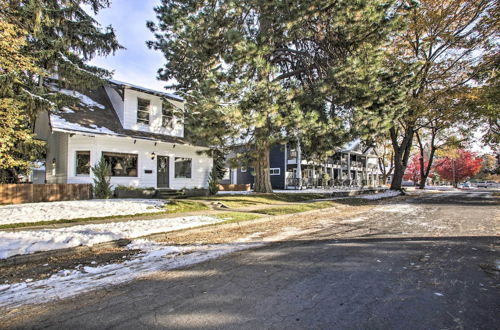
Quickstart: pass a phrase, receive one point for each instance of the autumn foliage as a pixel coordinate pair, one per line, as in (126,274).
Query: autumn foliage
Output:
(455,169)
(413,169)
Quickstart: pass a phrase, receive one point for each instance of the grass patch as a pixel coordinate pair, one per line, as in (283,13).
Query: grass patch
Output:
(236,216)
(174,206)
(280,210)
(235,201)
(180,206)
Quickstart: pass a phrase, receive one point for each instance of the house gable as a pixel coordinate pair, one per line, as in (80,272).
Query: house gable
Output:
(131,98)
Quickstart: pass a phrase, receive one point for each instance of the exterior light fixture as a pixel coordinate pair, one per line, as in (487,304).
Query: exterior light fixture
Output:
(153,155)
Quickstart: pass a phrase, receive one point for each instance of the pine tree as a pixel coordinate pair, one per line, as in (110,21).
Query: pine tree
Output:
(17,144)
(256,72)
(102,172)
(56,38)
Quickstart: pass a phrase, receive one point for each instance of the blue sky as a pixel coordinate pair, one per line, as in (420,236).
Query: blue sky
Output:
(137,64)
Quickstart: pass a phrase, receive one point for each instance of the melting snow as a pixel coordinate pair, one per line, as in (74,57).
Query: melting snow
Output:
(398,208)
(30,241)
(61,123)
(156,257)
(385,194)
(84,99)
(35,212)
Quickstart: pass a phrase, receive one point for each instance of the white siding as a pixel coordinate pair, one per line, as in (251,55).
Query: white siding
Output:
(58,151)
(155,121)
(116,101)
(201,164)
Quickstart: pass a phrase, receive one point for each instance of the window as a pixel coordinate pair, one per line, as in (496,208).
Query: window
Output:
(143,111)
(121,164)
(167,114)
(183,167)
(275,171)
(83,163)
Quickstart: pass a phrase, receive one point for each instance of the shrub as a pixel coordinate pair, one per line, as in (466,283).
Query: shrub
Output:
(213,182)
(102,172)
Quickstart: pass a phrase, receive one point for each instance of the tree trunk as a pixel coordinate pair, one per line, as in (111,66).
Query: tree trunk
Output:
(262,178)
(425,170)
(401,155)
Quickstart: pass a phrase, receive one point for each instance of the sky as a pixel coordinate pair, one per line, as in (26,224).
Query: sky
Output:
(137,63)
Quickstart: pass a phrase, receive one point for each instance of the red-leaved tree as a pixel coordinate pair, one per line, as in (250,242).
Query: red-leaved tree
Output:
(413,170)
(455,169)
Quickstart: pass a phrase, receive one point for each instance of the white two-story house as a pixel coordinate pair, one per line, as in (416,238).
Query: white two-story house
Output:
(135,129)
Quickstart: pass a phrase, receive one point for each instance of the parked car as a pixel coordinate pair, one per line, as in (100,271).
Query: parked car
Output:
(465,185)
(486,184)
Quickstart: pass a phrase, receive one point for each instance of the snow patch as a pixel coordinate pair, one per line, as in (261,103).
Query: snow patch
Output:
(84,99)
(61,123)
(38,212)
(398,208)
(30,241)
(354,220)
(385,194)
(156,257)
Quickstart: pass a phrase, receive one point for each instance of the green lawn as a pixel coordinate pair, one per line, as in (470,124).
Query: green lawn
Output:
(237,216)
(180,206)
(236,200)
(288,209)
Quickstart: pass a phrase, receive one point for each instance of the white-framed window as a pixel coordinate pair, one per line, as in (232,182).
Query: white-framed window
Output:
(167,114)
(143,106)
(183,167)
(243,169)
(82,163)
(275,171)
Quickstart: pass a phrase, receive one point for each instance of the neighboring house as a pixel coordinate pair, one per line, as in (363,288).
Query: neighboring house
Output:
(135,129)
(354,165)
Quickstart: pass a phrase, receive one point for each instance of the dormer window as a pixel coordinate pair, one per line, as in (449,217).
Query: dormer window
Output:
(167,114)
(143,111)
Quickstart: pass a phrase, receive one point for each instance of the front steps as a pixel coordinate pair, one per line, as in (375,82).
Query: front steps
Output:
(166,193)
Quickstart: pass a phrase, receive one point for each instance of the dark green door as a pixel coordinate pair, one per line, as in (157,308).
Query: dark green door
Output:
(162,172)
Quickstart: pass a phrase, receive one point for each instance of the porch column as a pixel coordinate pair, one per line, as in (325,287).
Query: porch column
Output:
(299,164)
(349,166)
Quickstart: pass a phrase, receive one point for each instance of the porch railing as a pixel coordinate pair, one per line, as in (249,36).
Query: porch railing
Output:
(329,184)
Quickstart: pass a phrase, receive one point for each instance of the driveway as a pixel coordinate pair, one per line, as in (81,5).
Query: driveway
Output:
(430,262)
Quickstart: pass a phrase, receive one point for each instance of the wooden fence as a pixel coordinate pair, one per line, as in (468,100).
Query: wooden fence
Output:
(32,193)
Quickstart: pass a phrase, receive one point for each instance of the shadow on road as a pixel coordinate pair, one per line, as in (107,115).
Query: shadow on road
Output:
(375,283)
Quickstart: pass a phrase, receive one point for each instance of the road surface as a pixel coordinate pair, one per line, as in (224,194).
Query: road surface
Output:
(429,262)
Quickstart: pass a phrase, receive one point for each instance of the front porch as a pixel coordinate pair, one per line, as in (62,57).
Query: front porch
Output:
(343,170)
(332,176)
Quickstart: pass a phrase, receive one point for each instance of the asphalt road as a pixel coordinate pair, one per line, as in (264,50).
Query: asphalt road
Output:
(387,278)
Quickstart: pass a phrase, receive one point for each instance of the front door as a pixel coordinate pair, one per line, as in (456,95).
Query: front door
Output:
(162,172)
